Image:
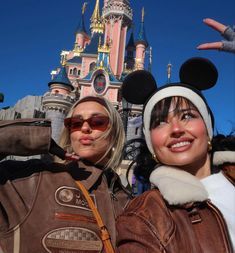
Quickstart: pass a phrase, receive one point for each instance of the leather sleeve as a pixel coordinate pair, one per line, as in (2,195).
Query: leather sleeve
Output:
(24,137)
(135,236)
(138,228)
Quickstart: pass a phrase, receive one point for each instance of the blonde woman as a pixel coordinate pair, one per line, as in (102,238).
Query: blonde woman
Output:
(45,207)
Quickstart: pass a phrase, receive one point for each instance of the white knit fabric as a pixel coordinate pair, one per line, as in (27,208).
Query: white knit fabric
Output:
(222,195)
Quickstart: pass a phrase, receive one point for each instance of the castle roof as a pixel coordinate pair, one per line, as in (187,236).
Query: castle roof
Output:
(81,27)
(131,42)
(92,48)
(61,78)
(141,37)
(75,59)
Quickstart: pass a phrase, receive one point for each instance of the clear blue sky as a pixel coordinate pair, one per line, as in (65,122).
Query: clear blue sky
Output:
(33,33)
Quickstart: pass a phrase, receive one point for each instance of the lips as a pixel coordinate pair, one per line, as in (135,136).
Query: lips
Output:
(86,140)
(180,145)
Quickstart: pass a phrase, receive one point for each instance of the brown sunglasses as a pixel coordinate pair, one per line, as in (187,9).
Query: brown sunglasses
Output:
(96,122)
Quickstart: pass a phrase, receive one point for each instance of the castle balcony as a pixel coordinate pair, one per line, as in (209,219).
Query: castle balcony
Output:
(117,9)
(56,101)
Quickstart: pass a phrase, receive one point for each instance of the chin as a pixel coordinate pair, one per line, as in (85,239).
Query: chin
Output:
(180,162)
(89,156)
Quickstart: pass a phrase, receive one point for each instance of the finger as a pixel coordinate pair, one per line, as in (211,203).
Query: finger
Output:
(72,157)
(213,45)
(215,25)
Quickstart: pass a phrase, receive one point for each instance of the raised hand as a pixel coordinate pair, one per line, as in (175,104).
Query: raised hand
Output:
(226,31)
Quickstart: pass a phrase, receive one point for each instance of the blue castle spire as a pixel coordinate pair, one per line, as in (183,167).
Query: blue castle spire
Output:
(141,37)
(131,42)
(81,27)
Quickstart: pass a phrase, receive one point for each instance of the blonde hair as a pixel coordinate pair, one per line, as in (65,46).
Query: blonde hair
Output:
(115,133)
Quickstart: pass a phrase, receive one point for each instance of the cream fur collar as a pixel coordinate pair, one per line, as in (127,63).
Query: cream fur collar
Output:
(221,157)
(177,186)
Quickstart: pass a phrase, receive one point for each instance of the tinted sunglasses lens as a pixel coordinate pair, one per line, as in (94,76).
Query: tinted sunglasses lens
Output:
(73,124)
(95,122)
(98,122)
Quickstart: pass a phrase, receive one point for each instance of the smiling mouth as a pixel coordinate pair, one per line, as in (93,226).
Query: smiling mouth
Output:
(180,144)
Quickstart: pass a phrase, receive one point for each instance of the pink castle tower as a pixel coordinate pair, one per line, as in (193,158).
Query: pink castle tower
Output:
(81,35)
(101,59)
(141,45)
(117,16)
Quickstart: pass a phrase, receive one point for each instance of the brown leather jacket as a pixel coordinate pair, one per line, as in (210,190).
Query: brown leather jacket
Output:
(43,210)
(151,225)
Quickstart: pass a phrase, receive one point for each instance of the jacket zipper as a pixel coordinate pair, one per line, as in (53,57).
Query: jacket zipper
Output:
(222,223)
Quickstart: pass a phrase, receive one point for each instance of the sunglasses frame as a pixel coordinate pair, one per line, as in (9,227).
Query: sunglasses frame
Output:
(68,123)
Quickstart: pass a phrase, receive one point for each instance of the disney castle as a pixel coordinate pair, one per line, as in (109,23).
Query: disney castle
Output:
(96,65)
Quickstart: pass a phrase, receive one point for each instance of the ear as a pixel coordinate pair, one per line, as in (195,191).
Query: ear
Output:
(138,86)
(199,72)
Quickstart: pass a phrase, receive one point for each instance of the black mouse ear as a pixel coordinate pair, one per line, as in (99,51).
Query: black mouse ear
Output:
(138,86)
(199,72)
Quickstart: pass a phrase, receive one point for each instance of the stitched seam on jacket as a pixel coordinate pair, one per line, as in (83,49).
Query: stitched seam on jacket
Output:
(152,229)
(39,175)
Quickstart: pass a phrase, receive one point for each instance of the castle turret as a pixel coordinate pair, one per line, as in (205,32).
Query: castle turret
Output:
(141,44)
(58,100)
(81,35)
(117,16)
(130,51)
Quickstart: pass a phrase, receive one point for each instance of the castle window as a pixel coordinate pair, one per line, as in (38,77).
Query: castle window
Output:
(74,71)
(92,66)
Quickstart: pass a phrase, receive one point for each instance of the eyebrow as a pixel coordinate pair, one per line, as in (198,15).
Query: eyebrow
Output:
(187,109)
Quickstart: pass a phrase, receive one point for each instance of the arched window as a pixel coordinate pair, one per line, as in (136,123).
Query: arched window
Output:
(70,71)
(92,66)
(75,71)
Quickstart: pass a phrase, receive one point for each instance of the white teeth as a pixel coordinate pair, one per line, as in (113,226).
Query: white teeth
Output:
(180,144)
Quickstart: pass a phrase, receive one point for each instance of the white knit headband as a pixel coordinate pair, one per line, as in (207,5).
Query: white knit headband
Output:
(175,91)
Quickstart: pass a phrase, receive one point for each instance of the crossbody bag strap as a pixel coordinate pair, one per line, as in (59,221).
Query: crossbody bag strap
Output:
(104,232)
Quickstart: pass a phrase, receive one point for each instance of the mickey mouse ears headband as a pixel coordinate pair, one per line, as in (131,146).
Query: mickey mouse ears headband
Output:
(196,74)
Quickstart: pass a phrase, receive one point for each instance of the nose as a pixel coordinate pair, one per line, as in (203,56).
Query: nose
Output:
(177,128)
(85,127)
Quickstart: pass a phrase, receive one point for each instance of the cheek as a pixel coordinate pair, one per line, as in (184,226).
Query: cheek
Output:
(158,138)
(199,129)
(74,137)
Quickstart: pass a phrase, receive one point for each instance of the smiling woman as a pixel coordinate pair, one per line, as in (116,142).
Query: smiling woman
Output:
(179,138)
(192,206)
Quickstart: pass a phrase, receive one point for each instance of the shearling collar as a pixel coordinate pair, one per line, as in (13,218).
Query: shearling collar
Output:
(221,157)
(177,186)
